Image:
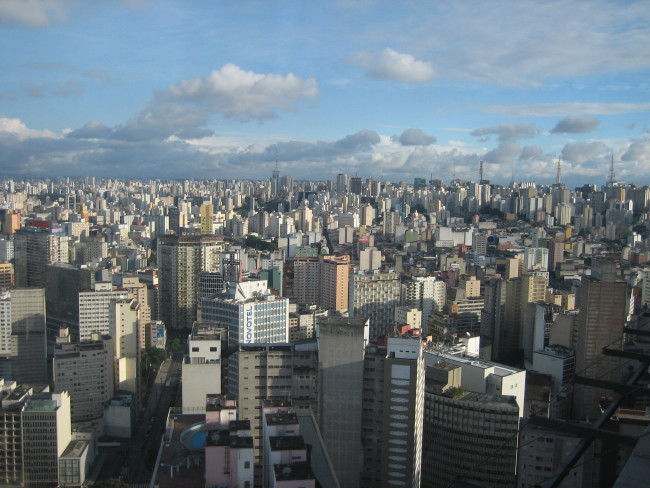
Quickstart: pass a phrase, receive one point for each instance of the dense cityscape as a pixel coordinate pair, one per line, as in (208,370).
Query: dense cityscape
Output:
(325,244)
(347,332)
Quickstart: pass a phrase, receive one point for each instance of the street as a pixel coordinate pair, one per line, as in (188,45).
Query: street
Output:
(151,424)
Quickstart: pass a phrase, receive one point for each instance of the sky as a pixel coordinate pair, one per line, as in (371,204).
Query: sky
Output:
(379,89)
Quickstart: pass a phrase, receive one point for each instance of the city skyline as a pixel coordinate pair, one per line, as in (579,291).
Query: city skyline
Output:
(167,89)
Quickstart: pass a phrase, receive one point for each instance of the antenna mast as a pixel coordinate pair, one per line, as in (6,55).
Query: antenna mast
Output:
(559,171)
(612,175)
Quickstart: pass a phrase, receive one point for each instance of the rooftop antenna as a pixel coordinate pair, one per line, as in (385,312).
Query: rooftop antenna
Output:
(480,172)
(559,171)
(612,175)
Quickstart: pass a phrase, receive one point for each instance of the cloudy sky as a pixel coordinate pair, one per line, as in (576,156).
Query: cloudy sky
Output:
(389,90)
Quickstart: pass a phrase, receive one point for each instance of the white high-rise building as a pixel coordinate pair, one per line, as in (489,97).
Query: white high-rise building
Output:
(250,312)
(123,320)
(426,294)
(94,306)
(201,374)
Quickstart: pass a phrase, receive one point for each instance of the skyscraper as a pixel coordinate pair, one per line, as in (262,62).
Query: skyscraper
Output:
(22,335)
(250,312)
(180,258)
(374,296)
(342,345)
(35,247)
(601,300)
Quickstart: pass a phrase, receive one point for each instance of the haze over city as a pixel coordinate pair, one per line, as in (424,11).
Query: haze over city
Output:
(389,90)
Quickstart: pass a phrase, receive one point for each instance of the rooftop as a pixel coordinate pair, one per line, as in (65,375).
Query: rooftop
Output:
(293,471)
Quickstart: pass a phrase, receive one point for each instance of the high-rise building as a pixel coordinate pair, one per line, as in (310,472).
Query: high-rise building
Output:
(374,296)
(64,282)
(201,373)
(206,218)
(23,341)
(94,309)
(85,371)
(34,248)
(469,436)
(124,328)
(180,259)
(519,293)
(46,434)
(341,352)
(341,183)
(602,302)
(393,409)
(555,253)
(356,185)
(259,373)
(426,294)
(306,276)
(250,312)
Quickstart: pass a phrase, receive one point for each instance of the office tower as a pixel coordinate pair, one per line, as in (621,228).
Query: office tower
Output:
(34,248)
(64,282)
(46,435)
(519,293)
(180,259)
(201,373)
(85,371)
(356,185)
(94,309)
(393,409)
(206,218)
(335,274)
(124,329)
(469,437)
(374,296)
(341,183)
(250,313)
(341,352)
(23,339)
(426,294)
(602,303)
(555,253)
(306,276)
(259,373)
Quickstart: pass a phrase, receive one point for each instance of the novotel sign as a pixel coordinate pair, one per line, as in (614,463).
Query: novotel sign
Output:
(249,324)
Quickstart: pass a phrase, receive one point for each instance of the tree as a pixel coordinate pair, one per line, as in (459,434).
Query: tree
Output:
(175,345)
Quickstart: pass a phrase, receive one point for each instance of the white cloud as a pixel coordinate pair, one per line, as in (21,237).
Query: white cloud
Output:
(184,108)
(391,65)
(18,128)
(33,13)
(234,92)
(478,42)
